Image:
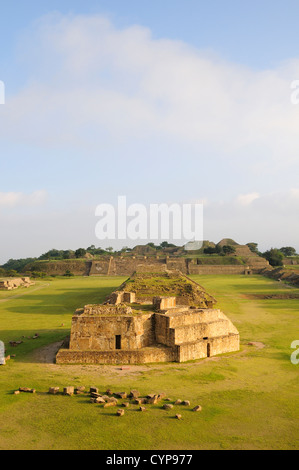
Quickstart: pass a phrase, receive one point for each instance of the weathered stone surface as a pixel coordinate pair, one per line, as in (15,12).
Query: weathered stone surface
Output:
(126,404)
(109,392)
(95,395)
(79,390)
(178,416)
(164,303)
(161,395)
(121,395)
(27,390)
(142,408)
(134,394)
(68,391)
(53,390)
(120,412)
(178,402)
(186,403)
(140,401)
(197,408)
(93,390)
(98,400)
(111,400)
(111,403)
(153,400)
(11,284)
(167,406)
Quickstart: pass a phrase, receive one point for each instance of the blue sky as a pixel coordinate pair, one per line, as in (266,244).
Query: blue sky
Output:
(160,101)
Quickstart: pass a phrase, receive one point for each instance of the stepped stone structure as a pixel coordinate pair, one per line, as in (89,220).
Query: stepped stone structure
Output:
(11,284)
(130,329)
(147,259)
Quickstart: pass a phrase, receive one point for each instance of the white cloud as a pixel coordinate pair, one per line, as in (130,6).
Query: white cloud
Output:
(247,199)
(91,79)
(14,199)
(269,219)
(94,87)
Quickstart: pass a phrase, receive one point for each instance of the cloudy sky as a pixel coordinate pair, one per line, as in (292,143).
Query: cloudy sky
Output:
(163,102)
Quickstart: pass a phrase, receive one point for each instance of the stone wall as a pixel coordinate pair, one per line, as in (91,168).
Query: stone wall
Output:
(216,269)
(208,348)
(141,356)
(188,326)
(99,332)
(127,265)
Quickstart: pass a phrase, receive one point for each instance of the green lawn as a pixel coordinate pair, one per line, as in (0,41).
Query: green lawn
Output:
(249,399)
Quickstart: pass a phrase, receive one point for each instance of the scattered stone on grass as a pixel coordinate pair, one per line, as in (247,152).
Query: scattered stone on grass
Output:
(197,408)
(153,400)
(111,400)
(99,400)
(27,390)
(140,401)
(167,406)
(95,395)
(111,403)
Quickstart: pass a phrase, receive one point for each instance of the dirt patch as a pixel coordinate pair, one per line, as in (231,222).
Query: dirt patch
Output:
(257,344)
(47,353)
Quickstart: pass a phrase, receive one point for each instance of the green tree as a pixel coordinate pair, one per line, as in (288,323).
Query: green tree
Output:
(253,247)
(288,251)
(210,250)
(68,273)
(228,249)
(12,273)
(274,256)
(80,253)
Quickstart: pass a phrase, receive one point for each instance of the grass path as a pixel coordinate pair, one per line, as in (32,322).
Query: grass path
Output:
(24,293)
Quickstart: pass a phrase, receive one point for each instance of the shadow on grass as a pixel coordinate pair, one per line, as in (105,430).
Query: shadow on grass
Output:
(54,303)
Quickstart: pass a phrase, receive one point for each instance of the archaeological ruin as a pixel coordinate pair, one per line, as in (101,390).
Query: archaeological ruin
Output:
(152,317)
(15,283)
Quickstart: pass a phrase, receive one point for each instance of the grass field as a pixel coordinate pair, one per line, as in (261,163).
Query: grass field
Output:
(249,399)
